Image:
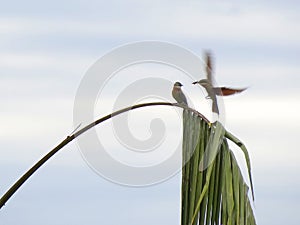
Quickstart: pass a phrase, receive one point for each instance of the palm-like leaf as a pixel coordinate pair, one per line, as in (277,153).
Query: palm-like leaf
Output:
(219,194)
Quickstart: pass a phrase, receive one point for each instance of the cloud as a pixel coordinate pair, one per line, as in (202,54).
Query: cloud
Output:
(46,61)
(223,22)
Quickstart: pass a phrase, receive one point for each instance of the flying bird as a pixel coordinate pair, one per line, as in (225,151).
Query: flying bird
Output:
(178,94)
(212,91)
(220,91)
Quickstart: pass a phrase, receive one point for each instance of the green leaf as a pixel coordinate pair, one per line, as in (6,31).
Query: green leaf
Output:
(246,154)
(216,193)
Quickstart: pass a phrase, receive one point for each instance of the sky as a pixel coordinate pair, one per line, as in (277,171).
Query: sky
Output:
(46,49)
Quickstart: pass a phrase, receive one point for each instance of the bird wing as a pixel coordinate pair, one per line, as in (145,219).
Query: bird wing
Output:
(183,98)
(208,68)
(227,91)
(179,96)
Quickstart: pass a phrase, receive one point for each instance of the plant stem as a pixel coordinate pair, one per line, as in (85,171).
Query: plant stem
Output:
(34,168)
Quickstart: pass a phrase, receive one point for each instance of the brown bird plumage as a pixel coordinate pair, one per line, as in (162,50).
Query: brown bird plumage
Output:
(224,91)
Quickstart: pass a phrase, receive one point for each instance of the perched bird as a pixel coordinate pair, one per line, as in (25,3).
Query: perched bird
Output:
(212,91)
(178,94)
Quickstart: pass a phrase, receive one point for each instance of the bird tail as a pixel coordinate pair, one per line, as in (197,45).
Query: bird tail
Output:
(215,107)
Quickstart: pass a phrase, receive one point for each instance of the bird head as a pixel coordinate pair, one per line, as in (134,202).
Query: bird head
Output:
(203,82)
(178,84)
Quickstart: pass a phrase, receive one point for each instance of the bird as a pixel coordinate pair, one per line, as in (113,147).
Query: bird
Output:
(213,92)
(220,91)
(210,93)
(178,94)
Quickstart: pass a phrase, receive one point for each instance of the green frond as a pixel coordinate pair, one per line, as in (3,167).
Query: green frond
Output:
(213,188)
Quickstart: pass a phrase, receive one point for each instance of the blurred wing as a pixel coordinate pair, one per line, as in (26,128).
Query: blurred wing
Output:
(228,91)
(209,68)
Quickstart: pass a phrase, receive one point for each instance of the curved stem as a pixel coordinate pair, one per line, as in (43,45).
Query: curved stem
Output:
(246,154)
(68,139)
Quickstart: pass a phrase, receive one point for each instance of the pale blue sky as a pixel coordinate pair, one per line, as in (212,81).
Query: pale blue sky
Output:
(45,50)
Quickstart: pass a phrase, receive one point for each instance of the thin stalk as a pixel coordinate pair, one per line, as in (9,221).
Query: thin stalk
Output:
(245,151)
(68,139)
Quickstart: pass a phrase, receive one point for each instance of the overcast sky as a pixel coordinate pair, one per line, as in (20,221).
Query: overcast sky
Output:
(47,47)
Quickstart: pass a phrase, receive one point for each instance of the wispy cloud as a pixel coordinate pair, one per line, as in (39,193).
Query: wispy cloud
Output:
(226,22)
